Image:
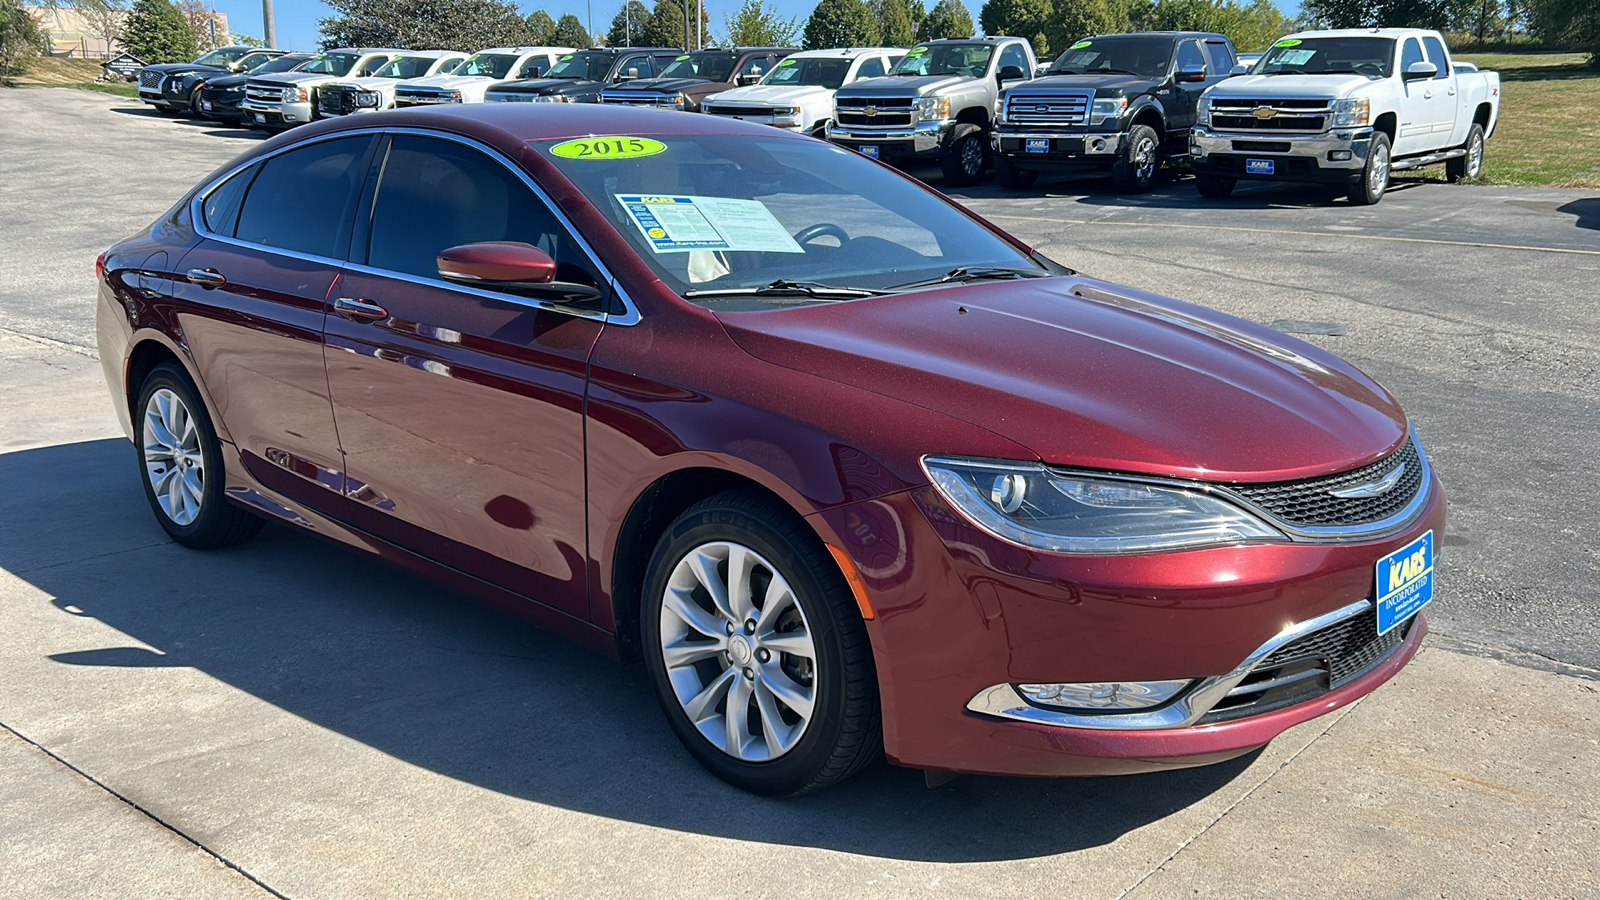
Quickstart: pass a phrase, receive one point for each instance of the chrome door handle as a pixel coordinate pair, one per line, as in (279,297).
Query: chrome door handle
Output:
(1427,95)
(206,278)
(359,310)
(1452,92)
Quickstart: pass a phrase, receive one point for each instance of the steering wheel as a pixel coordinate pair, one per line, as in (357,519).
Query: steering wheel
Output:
(812,232)
(1371,70)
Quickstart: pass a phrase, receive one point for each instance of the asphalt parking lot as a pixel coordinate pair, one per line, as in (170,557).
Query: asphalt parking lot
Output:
(285,719)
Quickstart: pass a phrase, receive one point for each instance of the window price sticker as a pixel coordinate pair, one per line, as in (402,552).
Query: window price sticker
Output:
(679,224)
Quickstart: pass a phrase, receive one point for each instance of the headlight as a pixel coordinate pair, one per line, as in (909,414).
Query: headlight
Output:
(1107,108)
(1203,113)
(295,95)
(1351,113)
(552,98)
(367,100)
(453,97)
(1030,505)
(790,111)
(933,109)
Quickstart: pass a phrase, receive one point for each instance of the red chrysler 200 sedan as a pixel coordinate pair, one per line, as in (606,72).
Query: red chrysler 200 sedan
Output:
(852,470)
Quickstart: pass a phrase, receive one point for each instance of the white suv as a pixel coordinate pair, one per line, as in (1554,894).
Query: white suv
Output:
(471,79)
(797,95)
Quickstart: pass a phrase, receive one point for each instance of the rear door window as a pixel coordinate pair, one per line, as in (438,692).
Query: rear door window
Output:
(303,199)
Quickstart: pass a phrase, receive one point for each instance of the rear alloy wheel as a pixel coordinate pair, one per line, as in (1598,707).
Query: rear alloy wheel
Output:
(1471,165)
(756,650)
(1375,176)
(1214,187)
(1134,170)
(964,161)
(181,459)
(1012,178)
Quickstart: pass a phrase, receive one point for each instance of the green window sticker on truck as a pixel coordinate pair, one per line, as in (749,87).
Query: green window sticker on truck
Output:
(1080,45)
(1288,42)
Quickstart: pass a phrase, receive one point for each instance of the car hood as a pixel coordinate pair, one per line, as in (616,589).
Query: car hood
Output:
(545,86)
(1127,84)
(369,82)
(297,78)
(182,68)
(447,82)
(899,86)
(235,81)
(776,94)
(662,85)
(1090,374)
(1271,87)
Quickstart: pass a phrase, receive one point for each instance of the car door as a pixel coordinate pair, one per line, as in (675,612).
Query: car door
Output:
(460,410)
(1183,109)
(253,304)
(1450,123)
(1415,133)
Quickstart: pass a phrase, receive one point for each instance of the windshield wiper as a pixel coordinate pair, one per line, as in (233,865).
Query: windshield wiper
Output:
(1110,71)
(975,273)
(786,288)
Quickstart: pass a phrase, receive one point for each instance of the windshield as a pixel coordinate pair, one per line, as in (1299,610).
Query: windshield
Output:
(1144,56)
(710,212)
(221,58)
(1370,56)
(970,60)
(494,65)
(405,67)
(330,64)
(583,66)
(281,64)
(713,66)
(828,73)
(252,62)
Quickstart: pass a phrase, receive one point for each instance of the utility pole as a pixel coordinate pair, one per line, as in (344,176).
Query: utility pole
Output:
(268,27)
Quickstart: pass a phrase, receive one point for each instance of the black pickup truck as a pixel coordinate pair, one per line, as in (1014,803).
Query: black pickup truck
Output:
(1123,102)
(580,77)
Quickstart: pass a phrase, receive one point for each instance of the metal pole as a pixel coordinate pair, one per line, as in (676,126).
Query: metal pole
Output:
(589,4)
(688,36)
(269,28)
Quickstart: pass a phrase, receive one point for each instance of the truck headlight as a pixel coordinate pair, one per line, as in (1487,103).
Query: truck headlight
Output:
(933,109)
(1203,112)
(676,101)
(552,98)
(295,95)
(367,100)
(453,97)
(1107,108)
(1351,113)
(1036,507)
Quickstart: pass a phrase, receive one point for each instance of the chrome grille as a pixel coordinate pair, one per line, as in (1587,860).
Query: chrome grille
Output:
(413,97)
(624,98)
(875,112)
(148,79)
(264,93)
(1246,114)
(1310,666)
(1308,503)
(1052,108)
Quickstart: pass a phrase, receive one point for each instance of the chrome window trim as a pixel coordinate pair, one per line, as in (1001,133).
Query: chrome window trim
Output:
(1003,701)
(629,316)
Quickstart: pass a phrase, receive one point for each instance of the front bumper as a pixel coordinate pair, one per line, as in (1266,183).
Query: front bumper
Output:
(1334,157)
(1061,150)
(959,613)
(922,139)
(274,115)
(154,97)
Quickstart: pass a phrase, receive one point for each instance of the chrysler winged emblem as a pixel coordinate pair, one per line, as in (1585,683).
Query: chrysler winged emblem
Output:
(1372,488)
(1263,112)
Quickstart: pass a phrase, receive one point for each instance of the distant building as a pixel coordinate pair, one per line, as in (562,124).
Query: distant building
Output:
(87,34)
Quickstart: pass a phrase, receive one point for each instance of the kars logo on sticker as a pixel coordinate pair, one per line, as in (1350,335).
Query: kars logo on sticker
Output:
(607,148)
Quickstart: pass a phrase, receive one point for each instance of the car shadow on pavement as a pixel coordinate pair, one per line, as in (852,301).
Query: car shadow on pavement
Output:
(1587,210)
(474,694)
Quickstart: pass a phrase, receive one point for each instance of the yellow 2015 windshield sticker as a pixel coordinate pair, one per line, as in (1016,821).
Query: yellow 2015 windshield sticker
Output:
(607,148)
(1288,42)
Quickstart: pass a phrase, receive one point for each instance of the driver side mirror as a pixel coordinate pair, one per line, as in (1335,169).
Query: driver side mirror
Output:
(1239,69)
(630,74)
(1012,73)
(511,266)
(1190,74)
(1420,70)
(744,80)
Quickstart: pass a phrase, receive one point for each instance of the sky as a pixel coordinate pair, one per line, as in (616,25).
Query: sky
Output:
(297,19)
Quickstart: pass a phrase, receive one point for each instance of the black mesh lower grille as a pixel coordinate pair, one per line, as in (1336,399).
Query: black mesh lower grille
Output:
(1308,502)
(1310,666)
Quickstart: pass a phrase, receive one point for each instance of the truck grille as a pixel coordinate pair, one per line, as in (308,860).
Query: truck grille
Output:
(875,112)
(1310,666)
(415,97)
(337,100)
(1053,108)
(636,98)
(148,79)
(1275,115)
(1308,503)
(264,93)
(737,109)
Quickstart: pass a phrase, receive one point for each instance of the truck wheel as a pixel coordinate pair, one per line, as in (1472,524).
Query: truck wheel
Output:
(1213,187)
(1134,171)
(963,163)
(1375,177)
(1012,178)
(1471,165)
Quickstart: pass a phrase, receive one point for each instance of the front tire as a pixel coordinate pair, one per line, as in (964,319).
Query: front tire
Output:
(756,650)
(1012,178)
(181,460)
(964,162)
(1375,175)
(1214,187)
(1134,170)
(1471,165)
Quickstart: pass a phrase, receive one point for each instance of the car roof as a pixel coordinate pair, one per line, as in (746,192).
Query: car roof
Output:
(844,52)
(363,51)
(1211,35)
(432,54)
(521,50)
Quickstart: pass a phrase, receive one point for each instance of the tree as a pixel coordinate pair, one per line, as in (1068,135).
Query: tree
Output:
(157,33)
(895,26)
(1031,19)
(571,33)
(1575,23)
(627,29)
(840,23)
(665,28)
(20,37)
(1076,19)
(1251,27)
(108,20)
(541,29)
(199,16)
(757,25)
(465,25)
(947,19)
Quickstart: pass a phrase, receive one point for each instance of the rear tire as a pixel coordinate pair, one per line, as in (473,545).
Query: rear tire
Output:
(964,162)
(1471,165)
(1012,178)
(180,461)
(1214,187)
(1375,175)
(1134,170)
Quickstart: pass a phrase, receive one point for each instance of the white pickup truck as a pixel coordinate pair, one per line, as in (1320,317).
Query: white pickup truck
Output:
(797,95)
(1345,107)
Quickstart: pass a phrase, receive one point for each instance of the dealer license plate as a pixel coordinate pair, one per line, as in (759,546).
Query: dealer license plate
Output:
(1405,582)
(261,119)
(1260,166)
(1036,145)
(869,150)
(205,105)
